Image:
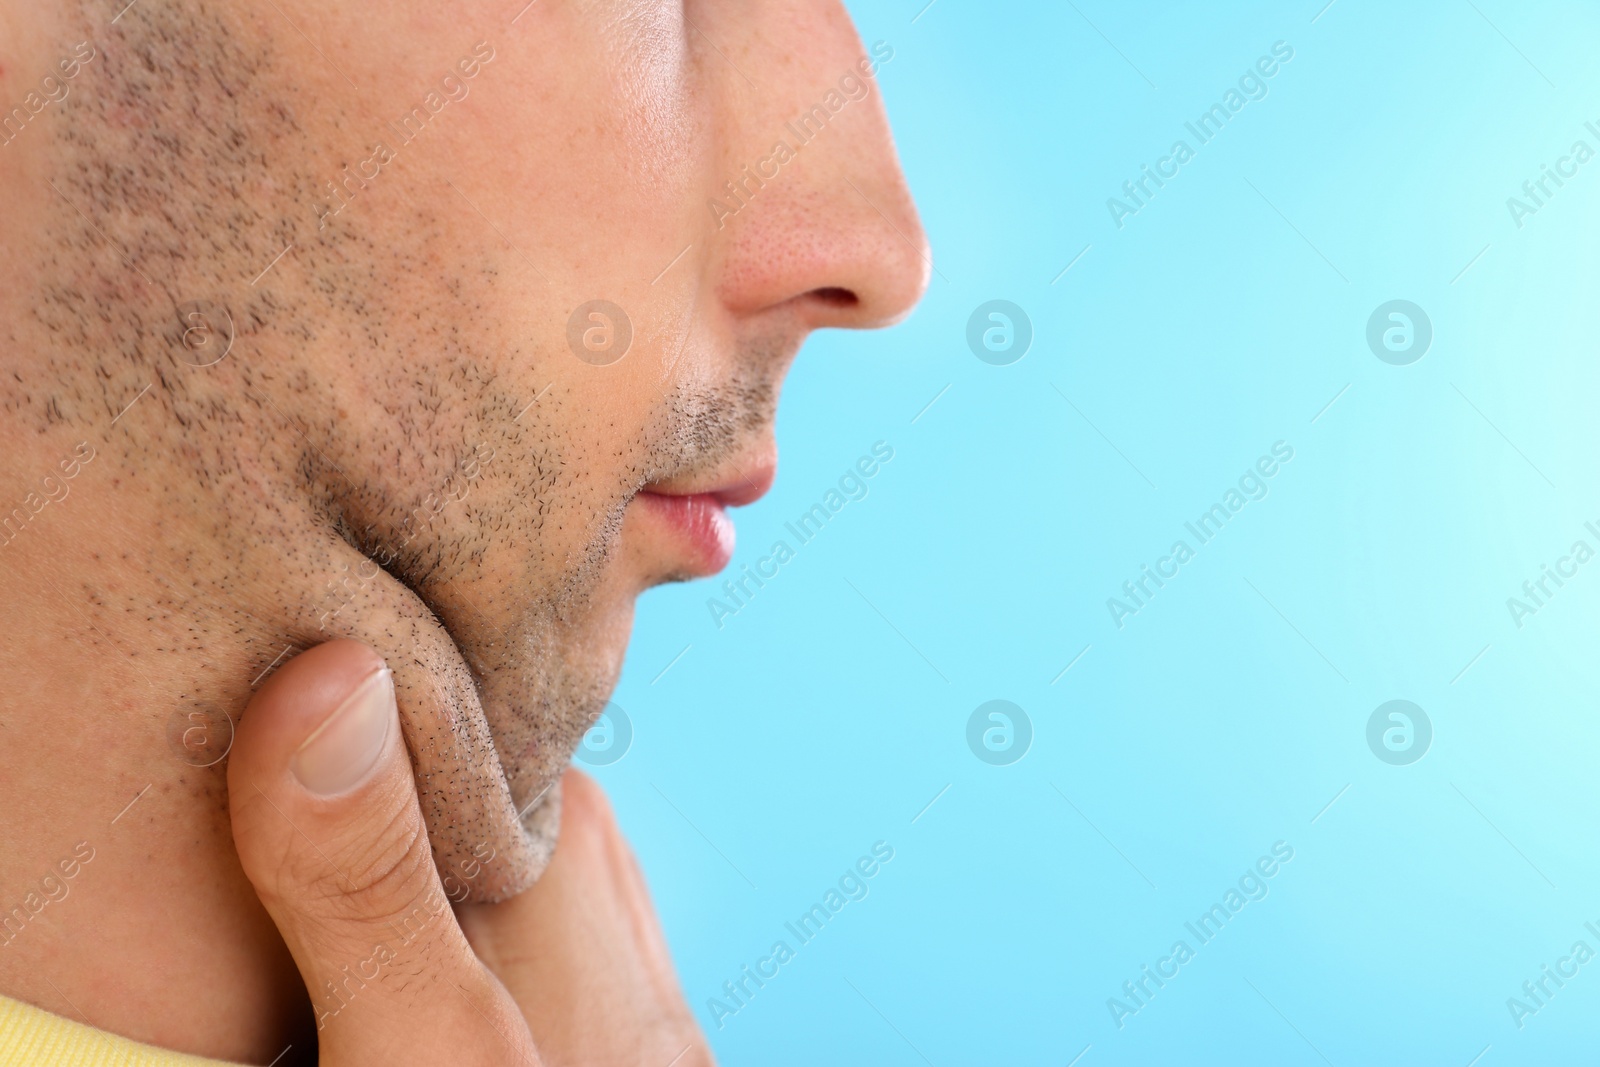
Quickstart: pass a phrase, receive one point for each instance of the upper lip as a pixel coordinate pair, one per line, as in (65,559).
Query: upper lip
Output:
(746,485)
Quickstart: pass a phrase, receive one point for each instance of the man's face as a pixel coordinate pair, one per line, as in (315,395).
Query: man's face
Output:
(463,323)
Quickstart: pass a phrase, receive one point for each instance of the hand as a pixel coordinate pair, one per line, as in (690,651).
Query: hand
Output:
(582,953)
(329,831)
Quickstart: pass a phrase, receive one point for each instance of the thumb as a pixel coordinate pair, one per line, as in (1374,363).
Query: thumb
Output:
(328,829)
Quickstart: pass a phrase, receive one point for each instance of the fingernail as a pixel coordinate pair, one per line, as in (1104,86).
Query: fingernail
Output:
(340,752)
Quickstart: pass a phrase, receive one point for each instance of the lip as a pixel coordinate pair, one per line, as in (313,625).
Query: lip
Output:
(696,522)
(698,527)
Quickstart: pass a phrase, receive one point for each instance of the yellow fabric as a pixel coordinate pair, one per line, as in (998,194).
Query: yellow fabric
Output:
(31,1036)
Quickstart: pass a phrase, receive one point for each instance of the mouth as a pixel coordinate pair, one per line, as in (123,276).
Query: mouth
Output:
(692,523)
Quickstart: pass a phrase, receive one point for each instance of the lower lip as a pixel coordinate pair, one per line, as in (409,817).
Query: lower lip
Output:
(699,524)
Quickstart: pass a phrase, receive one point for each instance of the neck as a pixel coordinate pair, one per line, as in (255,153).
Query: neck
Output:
(116,683)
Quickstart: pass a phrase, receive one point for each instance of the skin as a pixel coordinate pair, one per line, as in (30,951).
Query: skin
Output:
(369,423)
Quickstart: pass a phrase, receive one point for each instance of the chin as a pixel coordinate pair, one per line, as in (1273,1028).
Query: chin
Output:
(538,707)
(542,826)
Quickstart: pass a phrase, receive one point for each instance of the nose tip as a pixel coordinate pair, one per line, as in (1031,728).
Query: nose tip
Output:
(900,275)
(853,256)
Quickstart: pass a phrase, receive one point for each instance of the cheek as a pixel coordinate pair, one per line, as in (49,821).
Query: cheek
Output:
(649,76)
(626,122)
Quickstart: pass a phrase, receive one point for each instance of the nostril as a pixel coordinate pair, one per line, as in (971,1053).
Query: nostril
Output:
(834,296)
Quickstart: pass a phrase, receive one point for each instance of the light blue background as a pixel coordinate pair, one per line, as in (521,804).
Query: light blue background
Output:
(1227,715)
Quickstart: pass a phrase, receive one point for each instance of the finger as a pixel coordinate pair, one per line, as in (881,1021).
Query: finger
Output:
(329,831)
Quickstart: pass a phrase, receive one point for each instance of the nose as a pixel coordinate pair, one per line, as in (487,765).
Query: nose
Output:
(814,214)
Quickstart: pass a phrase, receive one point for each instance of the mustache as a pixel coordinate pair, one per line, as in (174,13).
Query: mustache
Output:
(702,428)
